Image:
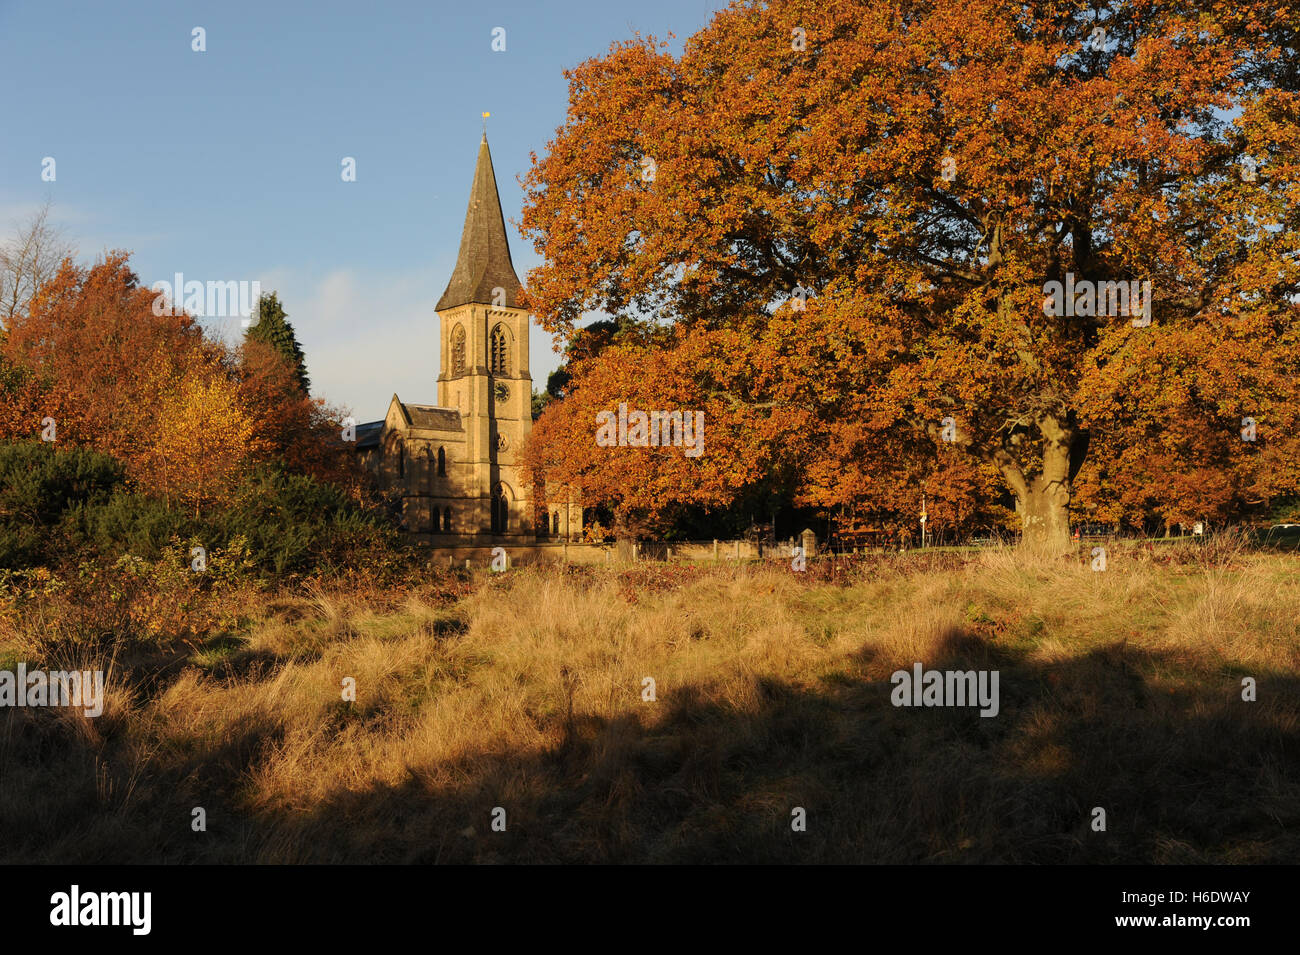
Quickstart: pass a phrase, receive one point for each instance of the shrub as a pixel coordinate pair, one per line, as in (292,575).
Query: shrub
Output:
(294,523)
(39,485)
(127,523)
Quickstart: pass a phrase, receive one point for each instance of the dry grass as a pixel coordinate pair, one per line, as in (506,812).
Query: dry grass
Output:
(1119,689)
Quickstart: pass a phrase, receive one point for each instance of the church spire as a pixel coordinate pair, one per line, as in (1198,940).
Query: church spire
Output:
(484,260)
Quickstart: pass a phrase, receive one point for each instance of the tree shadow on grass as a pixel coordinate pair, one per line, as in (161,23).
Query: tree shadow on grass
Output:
(1184,773)
(1185,770)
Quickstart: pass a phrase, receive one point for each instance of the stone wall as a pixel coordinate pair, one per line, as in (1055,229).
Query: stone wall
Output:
(625,552)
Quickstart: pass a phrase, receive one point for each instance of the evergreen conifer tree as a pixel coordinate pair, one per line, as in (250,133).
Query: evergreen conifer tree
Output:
(273,328)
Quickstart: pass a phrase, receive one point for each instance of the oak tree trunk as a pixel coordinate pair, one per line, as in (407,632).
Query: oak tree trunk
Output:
(1045,516)
(1043,499)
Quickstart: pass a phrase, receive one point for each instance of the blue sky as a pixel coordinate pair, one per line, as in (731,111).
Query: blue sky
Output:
(225,165)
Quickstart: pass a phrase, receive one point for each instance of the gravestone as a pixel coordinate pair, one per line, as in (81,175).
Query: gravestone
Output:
(809,542)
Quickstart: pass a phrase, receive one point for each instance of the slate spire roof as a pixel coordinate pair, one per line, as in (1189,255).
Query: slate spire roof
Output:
(484,260)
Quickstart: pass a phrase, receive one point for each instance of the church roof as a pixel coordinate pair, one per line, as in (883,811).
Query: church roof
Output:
(368,434)
(484,260)
(431,417)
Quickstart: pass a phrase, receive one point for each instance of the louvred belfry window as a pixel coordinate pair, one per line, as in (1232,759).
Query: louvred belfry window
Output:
(458,351)
(498,357)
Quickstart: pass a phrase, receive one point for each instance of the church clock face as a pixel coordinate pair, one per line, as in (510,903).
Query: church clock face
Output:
(501,392)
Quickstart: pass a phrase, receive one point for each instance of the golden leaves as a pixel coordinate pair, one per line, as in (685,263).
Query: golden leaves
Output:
(203,438)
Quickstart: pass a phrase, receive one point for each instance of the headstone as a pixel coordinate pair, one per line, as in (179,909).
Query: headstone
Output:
(809,541)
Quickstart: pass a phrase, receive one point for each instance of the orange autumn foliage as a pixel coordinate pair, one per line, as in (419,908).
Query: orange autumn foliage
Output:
(920,174)
(303,433)
(92,336)
(184,413)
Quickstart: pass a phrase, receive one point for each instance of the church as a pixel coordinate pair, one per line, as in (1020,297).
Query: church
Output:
(454,464)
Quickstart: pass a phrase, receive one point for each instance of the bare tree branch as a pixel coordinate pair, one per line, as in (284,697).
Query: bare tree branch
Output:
(27,261)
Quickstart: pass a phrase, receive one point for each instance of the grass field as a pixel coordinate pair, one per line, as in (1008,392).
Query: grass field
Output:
(1119,689)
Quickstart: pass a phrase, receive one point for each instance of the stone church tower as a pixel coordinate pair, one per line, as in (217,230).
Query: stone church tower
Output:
(455,463)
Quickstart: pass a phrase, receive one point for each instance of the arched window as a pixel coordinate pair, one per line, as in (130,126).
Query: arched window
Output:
(399,451)
(442,462)
(428,476)
(498,355)
(500,510)
(446,520)
(458,350)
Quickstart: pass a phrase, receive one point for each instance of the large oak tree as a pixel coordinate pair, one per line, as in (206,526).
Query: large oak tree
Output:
(920,173)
